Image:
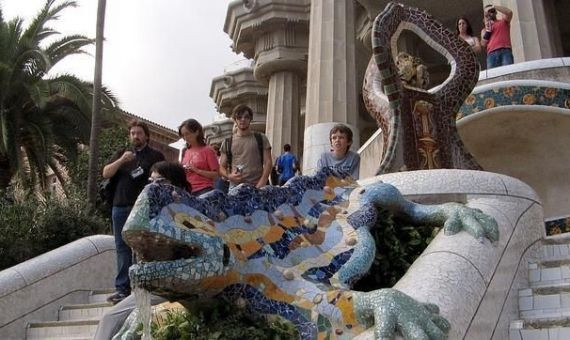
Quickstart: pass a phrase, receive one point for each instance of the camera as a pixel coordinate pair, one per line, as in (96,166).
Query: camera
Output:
(137,172)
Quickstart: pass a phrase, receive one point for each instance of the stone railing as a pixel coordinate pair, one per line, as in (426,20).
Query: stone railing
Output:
(371,154)
(475,283)
(553,69)
(35,289)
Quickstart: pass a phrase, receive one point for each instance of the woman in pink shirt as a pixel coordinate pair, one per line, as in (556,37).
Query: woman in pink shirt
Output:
(199,160)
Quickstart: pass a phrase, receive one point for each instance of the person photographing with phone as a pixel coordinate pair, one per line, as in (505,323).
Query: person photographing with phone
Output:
(246,155)
(128,169)
(198,159)
(496,35)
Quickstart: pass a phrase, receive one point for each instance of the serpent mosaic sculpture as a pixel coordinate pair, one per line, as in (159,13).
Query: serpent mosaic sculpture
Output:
(418,125)
(292,251)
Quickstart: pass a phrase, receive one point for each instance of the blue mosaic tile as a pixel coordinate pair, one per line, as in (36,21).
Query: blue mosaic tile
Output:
(515,95)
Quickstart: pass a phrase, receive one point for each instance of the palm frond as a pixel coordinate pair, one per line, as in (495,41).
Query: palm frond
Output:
(11,34)
(75,89)
(48,13)
(66,46)
(39,92)
(32,61)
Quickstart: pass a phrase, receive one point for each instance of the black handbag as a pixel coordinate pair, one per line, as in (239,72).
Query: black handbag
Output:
(107,193)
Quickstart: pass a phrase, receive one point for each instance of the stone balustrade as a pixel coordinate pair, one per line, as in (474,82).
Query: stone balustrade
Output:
(35,289)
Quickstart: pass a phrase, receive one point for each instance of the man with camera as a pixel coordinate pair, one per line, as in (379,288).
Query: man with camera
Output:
(129,170)
(496,35)
(246,155)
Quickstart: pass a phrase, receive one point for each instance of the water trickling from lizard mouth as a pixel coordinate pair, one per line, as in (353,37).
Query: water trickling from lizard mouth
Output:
(142,297)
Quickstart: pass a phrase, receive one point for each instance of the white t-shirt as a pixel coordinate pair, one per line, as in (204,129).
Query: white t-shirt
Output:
(350,162)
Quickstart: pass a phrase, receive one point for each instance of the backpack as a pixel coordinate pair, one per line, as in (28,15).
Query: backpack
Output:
(228,145)
(106,192)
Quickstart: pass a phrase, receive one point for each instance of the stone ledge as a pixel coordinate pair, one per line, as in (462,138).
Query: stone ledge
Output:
(524,66)
(29,272)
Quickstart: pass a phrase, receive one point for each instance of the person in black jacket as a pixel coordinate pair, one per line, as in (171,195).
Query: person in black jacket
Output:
(129,169)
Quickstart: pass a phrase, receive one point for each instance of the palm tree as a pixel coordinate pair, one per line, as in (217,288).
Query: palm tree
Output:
(43,117)
(96,114)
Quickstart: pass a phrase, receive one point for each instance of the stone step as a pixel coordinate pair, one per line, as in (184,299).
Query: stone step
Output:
(549,273)
(540,330)
(76,329)
(545,303)
(100,296)
(553,252)
(557,239)
(83,311)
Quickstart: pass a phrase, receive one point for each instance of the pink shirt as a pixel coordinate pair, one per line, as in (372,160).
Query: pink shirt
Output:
(501,36)
(203,158)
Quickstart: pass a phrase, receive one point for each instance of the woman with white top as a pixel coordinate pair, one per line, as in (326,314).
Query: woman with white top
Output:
(465,31)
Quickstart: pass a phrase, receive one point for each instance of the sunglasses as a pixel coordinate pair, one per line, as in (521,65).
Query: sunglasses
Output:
(156,179)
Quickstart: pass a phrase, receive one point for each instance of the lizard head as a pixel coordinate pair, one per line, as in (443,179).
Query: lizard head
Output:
(176,246)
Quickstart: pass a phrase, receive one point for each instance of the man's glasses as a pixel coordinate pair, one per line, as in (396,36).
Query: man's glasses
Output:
(243,117)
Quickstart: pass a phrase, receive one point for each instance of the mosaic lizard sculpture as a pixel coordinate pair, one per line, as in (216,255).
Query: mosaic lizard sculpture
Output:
(292,251)
(418,124)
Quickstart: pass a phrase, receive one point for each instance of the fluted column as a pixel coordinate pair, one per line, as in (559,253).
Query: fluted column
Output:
(282,125)
(331,76)
(275,34)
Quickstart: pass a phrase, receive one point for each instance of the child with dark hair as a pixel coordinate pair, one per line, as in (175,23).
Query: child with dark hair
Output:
(170,172)
(340,156)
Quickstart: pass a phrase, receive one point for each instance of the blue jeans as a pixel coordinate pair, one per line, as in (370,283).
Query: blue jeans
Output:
(500,57)
(124,254)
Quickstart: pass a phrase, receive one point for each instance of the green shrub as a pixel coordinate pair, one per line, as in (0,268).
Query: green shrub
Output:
(220,320)
(110,140)
(398,245)
(35,226)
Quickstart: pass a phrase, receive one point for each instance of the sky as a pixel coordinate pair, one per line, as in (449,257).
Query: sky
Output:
(159,56)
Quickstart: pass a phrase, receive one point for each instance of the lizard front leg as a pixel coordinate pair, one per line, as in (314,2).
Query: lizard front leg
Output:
(453,216)
(390,310)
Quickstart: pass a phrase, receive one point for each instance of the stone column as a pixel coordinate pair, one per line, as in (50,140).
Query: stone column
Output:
(281,62)
(282,125)
(238,86)
(275,34)
(331,77)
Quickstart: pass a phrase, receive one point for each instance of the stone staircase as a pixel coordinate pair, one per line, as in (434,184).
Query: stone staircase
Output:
(544,307)
(78,322)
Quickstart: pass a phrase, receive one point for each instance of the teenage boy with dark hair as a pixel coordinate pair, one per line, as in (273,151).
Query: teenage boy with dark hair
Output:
(129,169)
(340,156)
(246,155)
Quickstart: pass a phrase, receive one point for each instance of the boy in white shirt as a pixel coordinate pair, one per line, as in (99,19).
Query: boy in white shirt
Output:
(340,156)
